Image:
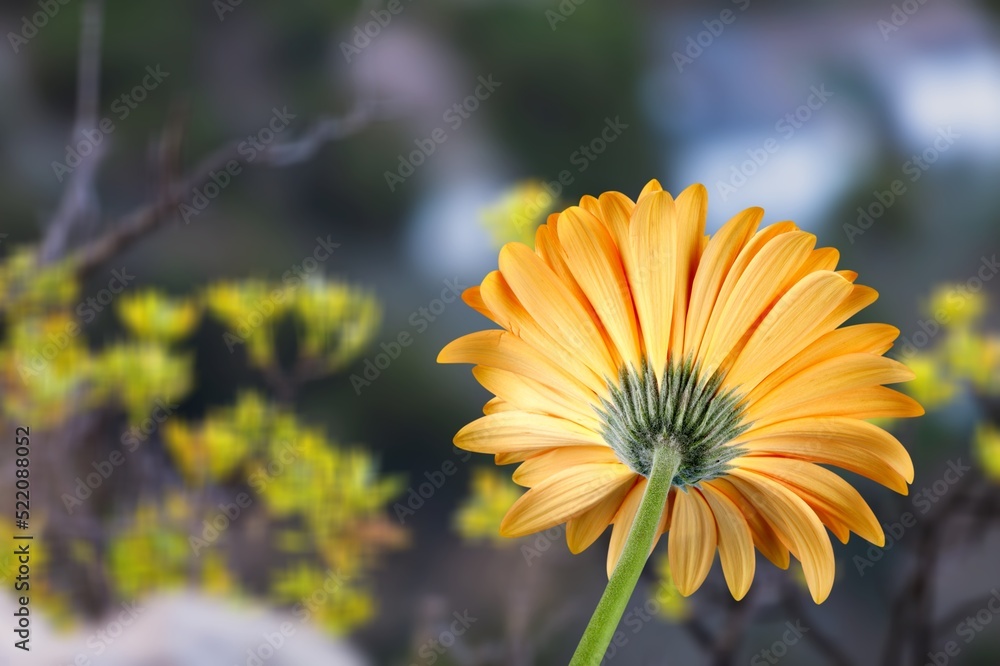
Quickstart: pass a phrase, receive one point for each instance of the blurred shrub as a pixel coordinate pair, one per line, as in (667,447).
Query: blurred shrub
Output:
(248,501)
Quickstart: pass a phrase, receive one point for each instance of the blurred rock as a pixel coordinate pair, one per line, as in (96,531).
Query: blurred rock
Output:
(182,629)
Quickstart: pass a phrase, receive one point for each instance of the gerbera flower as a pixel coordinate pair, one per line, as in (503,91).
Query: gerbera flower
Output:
(631,342)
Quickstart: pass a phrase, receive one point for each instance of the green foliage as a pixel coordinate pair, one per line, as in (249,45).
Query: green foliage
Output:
(251,502)
(479,516)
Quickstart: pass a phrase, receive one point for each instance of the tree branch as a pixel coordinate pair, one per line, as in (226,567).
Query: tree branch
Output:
(148,218)
(79,198)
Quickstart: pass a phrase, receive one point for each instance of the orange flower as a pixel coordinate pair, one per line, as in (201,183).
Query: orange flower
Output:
(628,331)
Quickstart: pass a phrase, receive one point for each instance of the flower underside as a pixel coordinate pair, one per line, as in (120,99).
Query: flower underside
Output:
(682,409)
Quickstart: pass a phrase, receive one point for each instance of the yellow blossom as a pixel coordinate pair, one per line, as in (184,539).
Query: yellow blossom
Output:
(933,386)
(518,212)
(672,605)
(955,306)
(480,515)
(151,315)
(987,447)
(138,375)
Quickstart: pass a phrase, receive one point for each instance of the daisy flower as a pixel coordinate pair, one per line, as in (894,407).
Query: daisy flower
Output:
(653,378)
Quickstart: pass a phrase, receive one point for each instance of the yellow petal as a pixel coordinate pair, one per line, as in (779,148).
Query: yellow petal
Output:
(823,491)
(616,210)
(664,525)
(735,541)
(859,339)
(764,537)
(788,328)
(859,299)
(547,247)
(510,457)
(716,261)
(474,300)
(844,373)
(512,315)
(590,204)
(821,259)
(539,467)
(690,209)
(691,542)
(651,187)
(506,351)
(529,395)
(497,405)
(623,523)
(754,292)
(857,446)
(748,252)
(593,259)
(652,273)
(555,308)
(522,431)
(864,403)
(796,524)
(582,530)
(562,496)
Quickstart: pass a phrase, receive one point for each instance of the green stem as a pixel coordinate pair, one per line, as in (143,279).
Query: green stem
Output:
(597,637)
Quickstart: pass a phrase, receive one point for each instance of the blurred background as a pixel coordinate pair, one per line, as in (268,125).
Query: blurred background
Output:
(232,238)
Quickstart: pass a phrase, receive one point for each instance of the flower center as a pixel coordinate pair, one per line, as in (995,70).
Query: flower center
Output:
(683,410)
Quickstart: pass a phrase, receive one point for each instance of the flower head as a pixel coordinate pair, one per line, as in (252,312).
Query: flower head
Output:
(627,330)
(955,305)
(987,449)
(152,315)
(481,514)
(517,214)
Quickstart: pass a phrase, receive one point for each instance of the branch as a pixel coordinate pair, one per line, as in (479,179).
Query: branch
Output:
(916,599)
(78,197)
(148,218)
